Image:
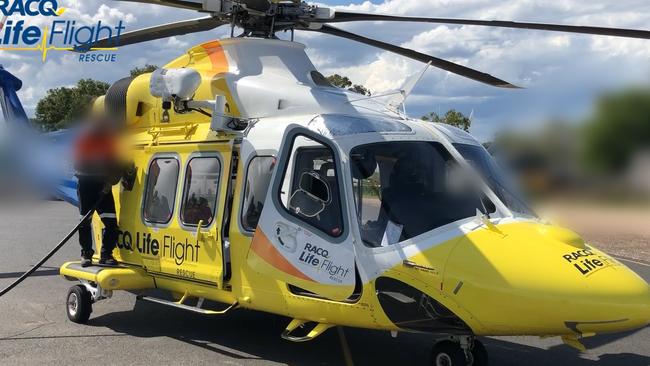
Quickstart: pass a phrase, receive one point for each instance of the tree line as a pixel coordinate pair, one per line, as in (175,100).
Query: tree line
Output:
(619,128)
(61,107)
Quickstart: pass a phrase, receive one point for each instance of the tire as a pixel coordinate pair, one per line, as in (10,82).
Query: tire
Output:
(480,354)
(79,304)
(448,353)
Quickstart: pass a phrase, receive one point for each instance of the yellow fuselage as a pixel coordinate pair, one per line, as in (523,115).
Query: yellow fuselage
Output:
(510,277)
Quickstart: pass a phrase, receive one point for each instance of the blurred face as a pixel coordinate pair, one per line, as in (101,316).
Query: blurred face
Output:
(458,180)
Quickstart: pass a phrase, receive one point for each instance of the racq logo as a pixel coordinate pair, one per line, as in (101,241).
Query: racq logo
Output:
(61,35)
(31,8)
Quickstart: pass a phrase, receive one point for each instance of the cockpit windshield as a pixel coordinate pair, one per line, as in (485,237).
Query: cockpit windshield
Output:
(494,177)
(406,188)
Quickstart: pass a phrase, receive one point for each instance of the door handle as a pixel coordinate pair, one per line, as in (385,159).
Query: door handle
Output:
(203,236)
(410,264)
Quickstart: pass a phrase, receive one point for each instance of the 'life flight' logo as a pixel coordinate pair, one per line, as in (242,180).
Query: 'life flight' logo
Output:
(61,35)
(587,262)
(318,257)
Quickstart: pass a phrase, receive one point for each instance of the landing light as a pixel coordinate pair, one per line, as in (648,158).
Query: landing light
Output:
(174,84)
(177,87)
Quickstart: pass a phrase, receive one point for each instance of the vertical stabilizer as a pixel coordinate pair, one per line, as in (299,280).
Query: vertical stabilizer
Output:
(41,159)
(12,109)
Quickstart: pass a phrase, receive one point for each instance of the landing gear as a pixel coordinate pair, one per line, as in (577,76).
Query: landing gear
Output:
(459,351)
(79,304)
(80,300)
(479,354)
(448,353)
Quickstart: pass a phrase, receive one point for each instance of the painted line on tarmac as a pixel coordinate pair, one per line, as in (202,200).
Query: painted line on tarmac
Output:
(47,272)
(632,261)
(347,354)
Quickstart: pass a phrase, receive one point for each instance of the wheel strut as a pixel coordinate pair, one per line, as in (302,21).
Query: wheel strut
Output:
(463,350)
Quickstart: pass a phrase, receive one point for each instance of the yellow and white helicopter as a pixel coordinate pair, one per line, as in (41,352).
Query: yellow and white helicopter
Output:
(260,186)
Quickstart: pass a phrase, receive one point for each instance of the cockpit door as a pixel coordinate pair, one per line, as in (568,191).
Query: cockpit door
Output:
(303,236)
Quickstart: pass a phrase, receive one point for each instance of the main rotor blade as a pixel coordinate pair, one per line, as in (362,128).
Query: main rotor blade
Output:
(157,32)
(344,16)
(183,4)
(257,5)
(437,62)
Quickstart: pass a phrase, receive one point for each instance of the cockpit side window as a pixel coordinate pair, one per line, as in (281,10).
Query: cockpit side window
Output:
(310,188)
(258,179)
(404,189)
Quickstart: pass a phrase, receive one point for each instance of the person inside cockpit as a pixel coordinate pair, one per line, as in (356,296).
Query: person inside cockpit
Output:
(407,188)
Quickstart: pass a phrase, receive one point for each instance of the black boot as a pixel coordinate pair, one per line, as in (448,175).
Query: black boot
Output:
(108,260)
(87,258)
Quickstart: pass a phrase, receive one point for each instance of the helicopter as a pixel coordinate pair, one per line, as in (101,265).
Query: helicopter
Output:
(260,186)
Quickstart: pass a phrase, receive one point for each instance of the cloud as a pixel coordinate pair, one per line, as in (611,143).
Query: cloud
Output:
(104,13)
(174,42)
(563,72)
(64,69)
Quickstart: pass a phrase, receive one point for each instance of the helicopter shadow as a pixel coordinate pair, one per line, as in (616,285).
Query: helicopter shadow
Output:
(249,335)
(241,335)
(509,353)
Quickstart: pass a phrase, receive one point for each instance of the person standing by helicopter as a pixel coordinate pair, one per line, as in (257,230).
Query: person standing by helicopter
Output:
(97,167)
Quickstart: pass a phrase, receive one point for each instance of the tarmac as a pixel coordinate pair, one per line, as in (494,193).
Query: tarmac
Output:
(34,329)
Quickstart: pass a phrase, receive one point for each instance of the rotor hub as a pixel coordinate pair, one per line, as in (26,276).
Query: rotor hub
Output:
(278,17)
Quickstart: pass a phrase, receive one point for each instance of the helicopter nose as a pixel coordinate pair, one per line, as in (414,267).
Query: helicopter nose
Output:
(615,298)
(622,294)
(633,310)
(523,280)
(611,296)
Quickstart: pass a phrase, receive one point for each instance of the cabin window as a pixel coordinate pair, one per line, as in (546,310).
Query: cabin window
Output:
(258,179)
(310,186)
(405,189)
(200,191)
(160,194)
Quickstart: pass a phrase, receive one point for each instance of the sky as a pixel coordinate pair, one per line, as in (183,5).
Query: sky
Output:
(562,74)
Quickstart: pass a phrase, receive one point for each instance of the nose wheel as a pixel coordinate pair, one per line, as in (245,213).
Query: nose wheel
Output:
(479,354)
(79,304)
(459,351)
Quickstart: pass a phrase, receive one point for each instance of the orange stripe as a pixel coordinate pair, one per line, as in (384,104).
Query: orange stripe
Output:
(263,248)
(217,56)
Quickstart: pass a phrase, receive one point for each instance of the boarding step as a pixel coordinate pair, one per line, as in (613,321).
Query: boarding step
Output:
(121,277)
(312,330)
(195,309)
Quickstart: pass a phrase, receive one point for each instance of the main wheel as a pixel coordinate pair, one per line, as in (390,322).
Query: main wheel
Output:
(79,304)
(479,353)
(448,353)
